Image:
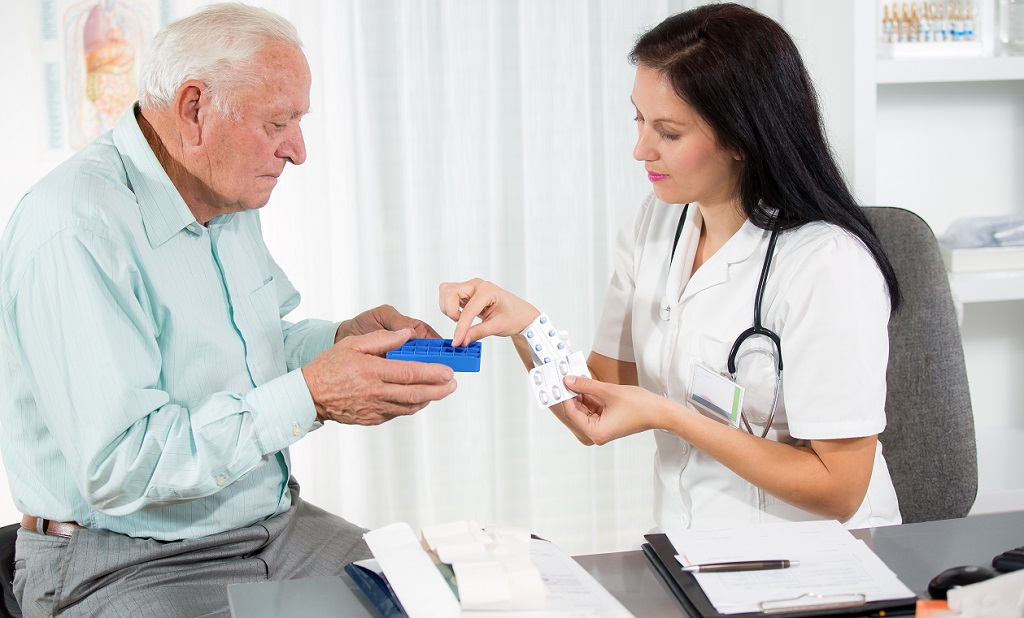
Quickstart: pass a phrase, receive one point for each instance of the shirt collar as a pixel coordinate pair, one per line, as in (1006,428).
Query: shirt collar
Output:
(741,245)
(164,212)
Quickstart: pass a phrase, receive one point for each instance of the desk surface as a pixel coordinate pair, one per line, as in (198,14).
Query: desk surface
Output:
(915,552)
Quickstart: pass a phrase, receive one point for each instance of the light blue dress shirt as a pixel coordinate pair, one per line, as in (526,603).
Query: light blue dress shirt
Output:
(148,382)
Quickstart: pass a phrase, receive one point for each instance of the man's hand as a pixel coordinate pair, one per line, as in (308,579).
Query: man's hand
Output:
(351,384)
(384,317)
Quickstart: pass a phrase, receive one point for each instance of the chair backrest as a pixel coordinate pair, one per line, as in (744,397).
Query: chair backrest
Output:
(929,440)
(8,602)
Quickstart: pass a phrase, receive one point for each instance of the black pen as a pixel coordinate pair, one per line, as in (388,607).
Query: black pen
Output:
(745,565)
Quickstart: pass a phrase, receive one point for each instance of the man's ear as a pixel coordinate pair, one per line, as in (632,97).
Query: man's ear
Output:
(191,99)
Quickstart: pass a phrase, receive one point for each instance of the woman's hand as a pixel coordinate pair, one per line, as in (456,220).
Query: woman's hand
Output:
(501,313)
(605,412)
(829,478)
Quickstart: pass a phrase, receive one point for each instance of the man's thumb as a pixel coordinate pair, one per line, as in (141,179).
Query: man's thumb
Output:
(381,341)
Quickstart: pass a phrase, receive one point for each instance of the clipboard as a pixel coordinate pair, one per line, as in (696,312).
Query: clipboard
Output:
(662,555)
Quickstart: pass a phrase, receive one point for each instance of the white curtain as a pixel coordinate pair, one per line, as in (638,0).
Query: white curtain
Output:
(449,140)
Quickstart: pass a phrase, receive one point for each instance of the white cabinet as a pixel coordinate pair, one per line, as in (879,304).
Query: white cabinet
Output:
(942,136)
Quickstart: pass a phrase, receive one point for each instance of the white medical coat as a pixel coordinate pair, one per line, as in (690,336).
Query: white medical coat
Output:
(828,302)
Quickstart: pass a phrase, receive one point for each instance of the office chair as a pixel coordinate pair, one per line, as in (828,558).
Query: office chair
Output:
(8,604)
(929,440)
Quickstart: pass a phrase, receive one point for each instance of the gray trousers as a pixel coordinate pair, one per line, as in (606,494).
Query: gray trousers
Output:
(100,573)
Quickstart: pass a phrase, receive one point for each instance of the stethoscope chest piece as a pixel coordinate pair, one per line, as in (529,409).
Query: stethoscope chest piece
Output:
(756,330)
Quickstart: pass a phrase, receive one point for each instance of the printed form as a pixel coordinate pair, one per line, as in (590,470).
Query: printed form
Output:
(835,569)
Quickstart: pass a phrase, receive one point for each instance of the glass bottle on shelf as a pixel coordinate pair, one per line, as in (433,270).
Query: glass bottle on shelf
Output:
(1011,24)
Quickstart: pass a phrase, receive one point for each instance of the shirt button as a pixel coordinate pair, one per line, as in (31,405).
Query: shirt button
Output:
(221,480)
(191,227)
(296,430)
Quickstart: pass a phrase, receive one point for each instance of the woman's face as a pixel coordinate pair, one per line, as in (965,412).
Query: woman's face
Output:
(683,160)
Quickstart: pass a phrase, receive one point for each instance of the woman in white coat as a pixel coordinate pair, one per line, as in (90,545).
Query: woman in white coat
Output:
(751,240)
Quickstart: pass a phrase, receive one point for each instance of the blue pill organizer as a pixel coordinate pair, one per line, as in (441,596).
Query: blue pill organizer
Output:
(439,351)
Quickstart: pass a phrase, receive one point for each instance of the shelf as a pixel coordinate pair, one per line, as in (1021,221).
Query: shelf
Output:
(1000,486)
(981,287)
(951,69)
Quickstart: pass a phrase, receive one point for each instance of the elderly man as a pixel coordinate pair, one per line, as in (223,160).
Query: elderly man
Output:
(151,386)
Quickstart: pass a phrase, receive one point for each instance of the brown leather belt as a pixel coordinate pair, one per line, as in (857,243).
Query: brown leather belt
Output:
(54,528)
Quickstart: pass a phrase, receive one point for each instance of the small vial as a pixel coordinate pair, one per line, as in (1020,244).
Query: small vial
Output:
(969,21)
(924,27)
(955,25)
(938,22)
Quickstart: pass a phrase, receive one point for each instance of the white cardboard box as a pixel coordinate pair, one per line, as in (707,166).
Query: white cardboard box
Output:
(982,259)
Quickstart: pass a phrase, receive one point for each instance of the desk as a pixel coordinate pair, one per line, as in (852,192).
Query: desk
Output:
(915,552)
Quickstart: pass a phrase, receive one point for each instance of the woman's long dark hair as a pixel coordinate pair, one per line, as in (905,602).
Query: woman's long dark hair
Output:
(742,73)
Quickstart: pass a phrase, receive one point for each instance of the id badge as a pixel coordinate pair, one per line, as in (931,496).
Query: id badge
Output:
(715,395)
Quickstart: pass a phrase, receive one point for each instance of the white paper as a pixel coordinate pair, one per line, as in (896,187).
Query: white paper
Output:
(833,564)
(413,576)
(1000,596)
(483,585)
(572,591)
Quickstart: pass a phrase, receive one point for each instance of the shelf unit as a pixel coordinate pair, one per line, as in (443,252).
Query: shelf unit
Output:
(943,137)
(875,76)
(942,70)
(990,286)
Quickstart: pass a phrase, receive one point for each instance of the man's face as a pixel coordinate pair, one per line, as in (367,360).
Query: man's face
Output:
(239,161)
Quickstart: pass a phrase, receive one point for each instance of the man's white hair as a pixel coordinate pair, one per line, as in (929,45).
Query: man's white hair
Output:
(216,46)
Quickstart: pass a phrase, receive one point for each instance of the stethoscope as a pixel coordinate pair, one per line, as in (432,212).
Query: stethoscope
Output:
(755,330)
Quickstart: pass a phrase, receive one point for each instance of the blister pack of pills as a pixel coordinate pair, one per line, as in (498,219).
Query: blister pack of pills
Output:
(553,359)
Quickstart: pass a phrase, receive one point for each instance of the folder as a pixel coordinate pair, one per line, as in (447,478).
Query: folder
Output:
(685,586)
(376,590)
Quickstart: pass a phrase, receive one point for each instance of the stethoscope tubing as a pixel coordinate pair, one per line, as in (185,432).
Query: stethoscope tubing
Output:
(756,329)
